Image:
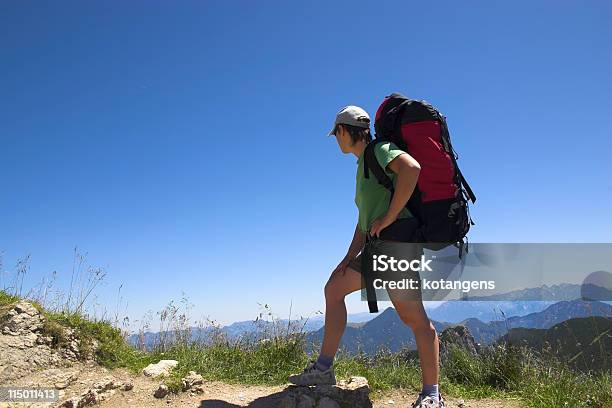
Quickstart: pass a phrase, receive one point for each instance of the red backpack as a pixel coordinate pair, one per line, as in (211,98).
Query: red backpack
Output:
(440,199)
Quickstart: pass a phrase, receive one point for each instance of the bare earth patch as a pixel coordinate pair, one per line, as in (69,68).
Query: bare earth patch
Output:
(221,395)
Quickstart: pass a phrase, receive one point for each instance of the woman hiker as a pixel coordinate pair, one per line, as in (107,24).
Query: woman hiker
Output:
(376,213)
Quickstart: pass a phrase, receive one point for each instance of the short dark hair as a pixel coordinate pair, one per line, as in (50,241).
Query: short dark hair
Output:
(358,133)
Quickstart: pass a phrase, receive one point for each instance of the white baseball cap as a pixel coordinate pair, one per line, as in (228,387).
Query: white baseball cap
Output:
(351,115)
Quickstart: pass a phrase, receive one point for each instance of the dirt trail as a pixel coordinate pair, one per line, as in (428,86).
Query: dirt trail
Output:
(79,378)
(221,395)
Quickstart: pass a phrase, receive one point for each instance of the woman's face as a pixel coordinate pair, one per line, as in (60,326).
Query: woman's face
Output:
(344,139)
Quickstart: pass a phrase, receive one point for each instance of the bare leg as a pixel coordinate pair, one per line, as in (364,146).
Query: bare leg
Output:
(336,289)
(413,314)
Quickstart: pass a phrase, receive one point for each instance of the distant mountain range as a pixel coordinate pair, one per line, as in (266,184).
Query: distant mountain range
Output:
(487,318)
(514,303)
(253,328)
(389,331)
(554,293)
(456,311)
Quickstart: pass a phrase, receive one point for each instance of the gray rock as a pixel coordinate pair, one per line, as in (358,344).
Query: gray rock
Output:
(99,391)
(161,391)
(22,318)
(23,344)
(63,381)
(354,393)
(356,383)
(127,386)
(74,350)
(161,368)
(191,380)
(197,389)
(71,403)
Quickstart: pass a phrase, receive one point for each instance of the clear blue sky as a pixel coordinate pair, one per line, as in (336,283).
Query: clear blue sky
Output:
(183,146)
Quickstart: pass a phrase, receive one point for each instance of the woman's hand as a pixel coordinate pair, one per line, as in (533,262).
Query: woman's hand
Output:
(380,224)
(341,268)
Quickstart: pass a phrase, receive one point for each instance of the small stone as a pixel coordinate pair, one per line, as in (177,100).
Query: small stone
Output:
(61,385)
(127,386)
(390,402)
(192,379)
(161,391)
(70,403)
(356,382)
(106,395)
(64,382)
(161,368)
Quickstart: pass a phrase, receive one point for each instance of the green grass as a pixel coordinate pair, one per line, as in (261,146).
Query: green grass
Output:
(498,372)
(7,299)
(552,384)
(244,362)
(112,349)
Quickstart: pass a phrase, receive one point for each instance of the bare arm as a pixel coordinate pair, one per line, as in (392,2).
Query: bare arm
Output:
(407,170)
(356,245)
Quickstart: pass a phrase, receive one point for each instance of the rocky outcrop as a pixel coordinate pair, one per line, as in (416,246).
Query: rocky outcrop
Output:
(457,336)
(354,393)
(22,319)
(26,344)
(72,348)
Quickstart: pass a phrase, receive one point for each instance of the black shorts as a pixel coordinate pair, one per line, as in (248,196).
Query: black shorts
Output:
(394,239)
(400,283)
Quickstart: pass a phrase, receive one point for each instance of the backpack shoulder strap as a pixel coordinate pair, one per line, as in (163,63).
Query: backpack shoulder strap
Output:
(461,181)
(370,163)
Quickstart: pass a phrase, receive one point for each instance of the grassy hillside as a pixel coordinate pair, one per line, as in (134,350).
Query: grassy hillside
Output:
(584,343)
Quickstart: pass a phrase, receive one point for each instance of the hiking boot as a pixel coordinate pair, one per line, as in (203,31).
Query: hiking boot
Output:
(428,402)
(313,376)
